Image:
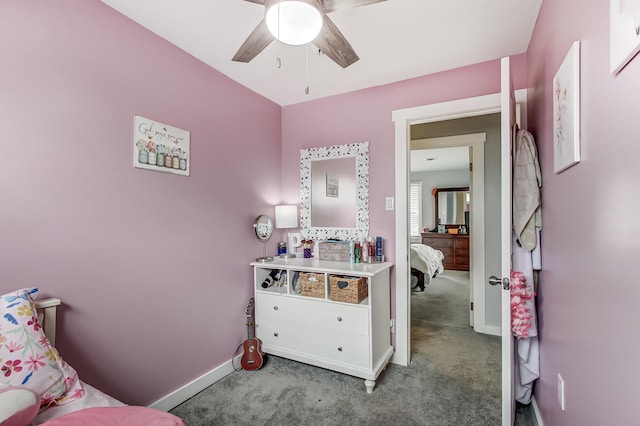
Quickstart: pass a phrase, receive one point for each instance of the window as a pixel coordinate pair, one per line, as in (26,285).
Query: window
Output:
(415,209)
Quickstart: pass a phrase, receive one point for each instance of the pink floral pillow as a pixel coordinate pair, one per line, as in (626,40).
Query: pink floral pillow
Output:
(26,355)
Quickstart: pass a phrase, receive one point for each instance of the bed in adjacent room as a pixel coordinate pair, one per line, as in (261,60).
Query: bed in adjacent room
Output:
(37,385)
(426,263)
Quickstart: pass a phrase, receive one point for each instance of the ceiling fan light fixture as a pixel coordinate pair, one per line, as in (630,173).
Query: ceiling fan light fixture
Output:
(293,21)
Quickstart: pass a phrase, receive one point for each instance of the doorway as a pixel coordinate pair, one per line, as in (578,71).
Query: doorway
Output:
(473,176)
(404,120)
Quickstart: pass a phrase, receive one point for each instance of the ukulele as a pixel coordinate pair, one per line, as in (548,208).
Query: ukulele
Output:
(252,358)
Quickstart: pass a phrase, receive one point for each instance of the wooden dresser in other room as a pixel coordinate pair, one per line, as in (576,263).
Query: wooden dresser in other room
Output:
(455,248)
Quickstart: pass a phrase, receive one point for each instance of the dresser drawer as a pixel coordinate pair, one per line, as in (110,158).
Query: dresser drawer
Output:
(462,251)
(338,347)
(447,252)
(462,242)
(462,260)
(438,243)
(313,313)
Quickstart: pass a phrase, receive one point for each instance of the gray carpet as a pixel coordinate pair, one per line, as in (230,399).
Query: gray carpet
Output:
(453,379)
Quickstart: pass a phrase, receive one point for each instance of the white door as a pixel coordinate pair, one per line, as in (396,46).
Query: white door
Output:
(508,118)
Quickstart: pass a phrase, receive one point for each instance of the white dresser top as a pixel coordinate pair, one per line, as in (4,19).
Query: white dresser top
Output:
(316,265)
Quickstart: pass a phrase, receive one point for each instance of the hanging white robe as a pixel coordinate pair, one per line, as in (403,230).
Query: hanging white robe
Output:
(525,248)
(527,181)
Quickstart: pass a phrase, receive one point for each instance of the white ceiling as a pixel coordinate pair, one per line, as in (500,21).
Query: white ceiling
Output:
(395,40)
(439,159)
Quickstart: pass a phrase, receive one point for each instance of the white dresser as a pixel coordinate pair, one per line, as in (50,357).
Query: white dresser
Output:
(351,338)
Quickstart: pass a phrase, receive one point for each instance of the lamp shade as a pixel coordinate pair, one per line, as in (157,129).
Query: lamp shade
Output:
(294,21)
(287,216)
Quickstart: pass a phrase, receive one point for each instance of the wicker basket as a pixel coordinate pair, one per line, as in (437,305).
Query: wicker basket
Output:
(348,289)
(312,284)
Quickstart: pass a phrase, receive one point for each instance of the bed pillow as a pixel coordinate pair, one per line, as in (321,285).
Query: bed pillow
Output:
(27,358)
(18,406)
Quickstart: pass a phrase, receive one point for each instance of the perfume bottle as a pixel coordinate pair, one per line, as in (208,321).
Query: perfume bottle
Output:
(379,255)
(364,247)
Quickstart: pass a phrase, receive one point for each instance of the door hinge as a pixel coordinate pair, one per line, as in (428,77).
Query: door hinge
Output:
(471,306)
(470,167)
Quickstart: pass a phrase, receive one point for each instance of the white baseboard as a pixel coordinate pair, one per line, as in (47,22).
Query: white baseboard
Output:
(180,395)
(535,412)
(395,359)
(493,330)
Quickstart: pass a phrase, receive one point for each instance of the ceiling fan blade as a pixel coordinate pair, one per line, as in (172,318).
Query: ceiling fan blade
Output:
(334,44)
(333,5)
(256,1)
(257,41)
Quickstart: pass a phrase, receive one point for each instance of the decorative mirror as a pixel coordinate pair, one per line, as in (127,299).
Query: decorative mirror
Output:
(452,206)
(263,227)
(334,186)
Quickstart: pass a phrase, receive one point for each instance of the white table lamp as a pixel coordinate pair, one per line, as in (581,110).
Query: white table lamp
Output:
(287,217)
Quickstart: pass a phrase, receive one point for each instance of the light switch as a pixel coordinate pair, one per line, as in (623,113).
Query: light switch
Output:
(388,205)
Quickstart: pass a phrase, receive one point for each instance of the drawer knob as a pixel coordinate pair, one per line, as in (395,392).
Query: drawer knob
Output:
(339,348)
(275,308)
(275,334)
(339,319)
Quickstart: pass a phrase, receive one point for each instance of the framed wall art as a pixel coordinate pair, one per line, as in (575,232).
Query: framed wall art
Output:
(566,111)
(624,29)
(160,147)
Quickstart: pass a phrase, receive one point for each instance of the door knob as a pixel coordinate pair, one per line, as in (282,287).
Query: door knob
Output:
(493,280)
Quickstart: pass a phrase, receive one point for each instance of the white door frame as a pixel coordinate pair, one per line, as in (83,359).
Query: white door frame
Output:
(476,239)
(403,120)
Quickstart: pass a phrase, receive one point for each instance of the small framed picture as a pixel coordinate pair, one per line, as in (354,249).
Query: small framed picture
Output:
(333,186)
(441,229)
(160,147)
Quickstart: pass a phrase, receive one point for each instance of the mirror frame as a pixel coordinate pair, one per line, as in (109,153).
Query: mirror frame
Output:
(437,192)
(361,153)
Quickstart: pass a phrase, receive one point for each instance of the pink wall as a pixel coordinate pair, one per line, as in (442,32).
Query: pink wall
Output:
(152,268)
(588,295)
(365,115)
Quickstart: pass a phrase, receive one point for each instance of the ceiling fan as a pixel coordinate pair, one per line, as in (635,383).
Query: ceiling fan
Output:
(329,40)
